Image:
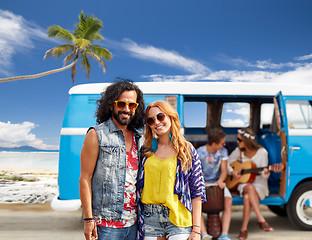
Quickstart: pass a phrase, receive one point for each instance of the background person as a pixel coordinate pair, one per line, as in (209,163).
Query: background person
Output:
(249,150)
(213,157)
(109,164)
(171,187)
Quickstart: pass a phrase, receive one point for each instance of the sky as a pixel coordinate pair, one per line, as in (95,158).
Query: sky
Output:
(202,40)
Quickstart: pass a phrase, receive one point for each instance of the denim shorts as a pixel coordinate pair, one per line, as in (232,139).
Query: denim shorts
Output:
(126,233)
(157,224)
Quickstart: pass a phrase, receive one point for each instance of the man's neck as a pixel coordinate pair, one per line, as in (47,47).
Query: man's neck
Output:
(210,149)
(120,126)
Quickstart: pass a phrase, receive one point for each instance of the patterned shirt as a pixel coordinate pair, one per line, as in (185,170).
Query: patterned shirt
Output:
(188,185)
(129,213)
(211,163)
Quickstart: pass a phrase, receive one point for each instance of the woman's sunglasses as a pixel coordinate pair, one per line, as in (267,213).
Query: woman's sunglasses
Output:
(123,104)
(160,117)
(239,139)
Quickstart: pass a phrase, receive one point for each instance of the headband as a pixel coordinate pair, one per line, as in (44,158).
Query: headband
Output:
(245,134)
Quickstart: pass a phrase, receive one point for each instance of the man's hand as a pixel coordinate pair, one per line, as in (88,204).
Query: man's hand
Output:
(220,183)
(90,231)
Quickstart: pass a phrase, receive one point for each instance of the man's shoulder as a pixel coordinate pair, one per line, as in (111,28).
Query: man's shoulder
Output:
(106,124)
(202,148)
(224,150)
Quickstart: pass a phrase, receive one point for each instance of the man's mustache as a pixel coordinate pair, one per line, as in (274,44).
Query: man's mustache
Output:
(123,112)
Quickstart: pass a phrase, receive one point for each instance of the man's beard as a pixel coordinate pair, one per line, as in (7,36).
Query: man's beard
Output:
(121,121)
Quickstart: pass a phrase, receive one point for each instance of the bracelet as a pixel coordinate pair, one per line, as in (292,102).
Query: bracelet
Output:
(196,232)
(196,226)
(87,219)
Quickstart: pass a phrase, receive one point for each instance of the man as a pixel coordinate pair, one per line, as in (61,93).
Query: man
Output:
(109,164)
(214,158)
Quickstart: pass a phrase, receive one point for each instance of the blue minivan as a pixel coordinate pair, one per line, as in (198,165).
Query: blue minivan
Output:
(280,115)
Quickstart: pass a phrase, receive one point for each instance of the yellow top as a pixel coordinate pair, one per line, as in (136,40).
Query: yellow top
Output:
(159,180)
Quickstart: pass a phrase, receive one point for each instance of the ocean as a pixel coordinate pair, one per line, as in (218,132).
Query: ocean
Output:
(30,160)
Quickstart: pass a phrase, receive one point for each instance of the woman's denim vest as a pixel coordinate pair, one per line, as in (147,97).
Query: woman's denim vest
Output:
(108,181)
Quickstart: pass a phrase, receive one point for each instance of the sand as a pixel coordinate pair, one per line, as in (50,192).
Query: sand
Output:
(27,185)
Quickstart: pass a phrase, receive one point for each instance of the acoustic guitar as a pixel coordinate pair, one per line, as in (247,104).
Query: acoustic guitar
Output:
(248,171)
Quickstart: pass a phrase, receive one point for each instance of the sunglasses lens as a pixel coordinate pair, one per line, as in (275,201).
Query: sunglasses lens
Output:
(239,140)
(161,117)
(120,104)
(150,121)
(132,105)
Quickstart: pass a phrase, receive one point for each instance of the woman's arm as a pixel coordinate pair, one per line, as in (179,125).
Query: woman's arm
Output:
(196,216)
(264,159)
(196,179)
(234,156)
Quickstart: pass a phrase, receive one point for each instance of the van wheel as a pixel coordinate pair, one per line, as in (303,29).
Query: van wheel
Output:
(278,210)
(299,206)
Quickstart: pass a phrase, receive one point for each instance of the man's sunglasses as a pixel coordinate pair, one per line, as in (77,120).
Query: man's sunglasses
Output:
(160,117)
(123,104)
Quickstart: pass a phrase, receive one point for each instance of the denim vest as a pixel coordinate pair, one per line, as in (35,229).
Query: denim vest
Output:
(108,180)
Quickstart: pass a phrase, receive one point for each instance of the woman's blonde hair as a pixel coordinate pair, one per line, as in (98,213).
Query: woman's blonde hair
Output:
(249,138)
(180,144)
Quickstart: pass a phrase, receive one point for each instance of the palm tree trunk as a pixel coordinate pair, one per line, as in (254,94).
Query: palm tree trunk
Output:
(39,74)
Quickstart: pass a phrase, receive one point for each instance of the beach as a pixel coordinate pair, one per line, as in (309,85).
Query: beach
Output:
(25,211)
(21,185)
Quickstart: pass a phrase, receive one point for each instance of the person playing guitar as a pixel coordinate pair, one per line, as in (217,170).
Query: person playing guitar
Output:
(249,150)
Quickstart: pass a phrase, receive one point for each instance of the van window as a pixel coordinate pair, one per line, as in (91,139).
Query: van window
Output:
(266,116)
(299,114)
(235,115)
(195,114)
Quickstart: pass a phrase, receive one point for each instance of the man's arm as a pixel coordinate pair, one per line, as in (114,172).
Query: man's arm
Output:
(223,174)
(88,157)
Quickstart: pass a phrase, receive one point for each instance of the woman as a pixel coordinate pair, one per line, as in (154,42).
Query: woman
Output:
(249,150)
(170,187)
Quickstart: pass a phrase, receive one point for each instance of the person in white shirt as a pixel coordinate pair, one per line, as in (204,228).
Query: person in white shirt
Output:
(249,150)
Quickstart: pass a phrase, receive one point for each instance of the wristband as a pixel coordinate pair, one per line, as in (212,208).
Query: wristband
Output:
(195,232)
(196,226)
(87,219)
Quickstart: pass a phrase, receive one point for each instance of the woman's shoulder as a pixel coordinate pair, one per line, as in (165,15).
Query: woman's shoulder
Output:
(262,151)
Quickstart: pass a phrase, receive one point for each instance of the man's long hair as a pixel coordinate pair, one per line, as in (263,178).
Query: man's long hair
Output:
(111,94)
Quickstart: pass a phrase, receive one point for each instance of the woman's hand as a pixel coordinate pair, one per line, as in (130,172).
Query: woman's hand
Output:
(194,236)
(266,171)
(236,174)
(90,231)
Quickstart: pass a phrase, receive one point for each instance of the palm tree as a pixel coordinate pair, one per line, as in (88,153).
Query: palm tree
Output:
(78,47)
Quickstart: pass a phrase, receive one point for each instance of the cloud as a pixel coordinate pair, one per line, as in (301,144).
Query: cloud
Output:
(19,134)
(164,57)
(302,58)
(260,64)
(234,123)
(16,36)
(223,75)
(299,75)
(235,115)
(260,70)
